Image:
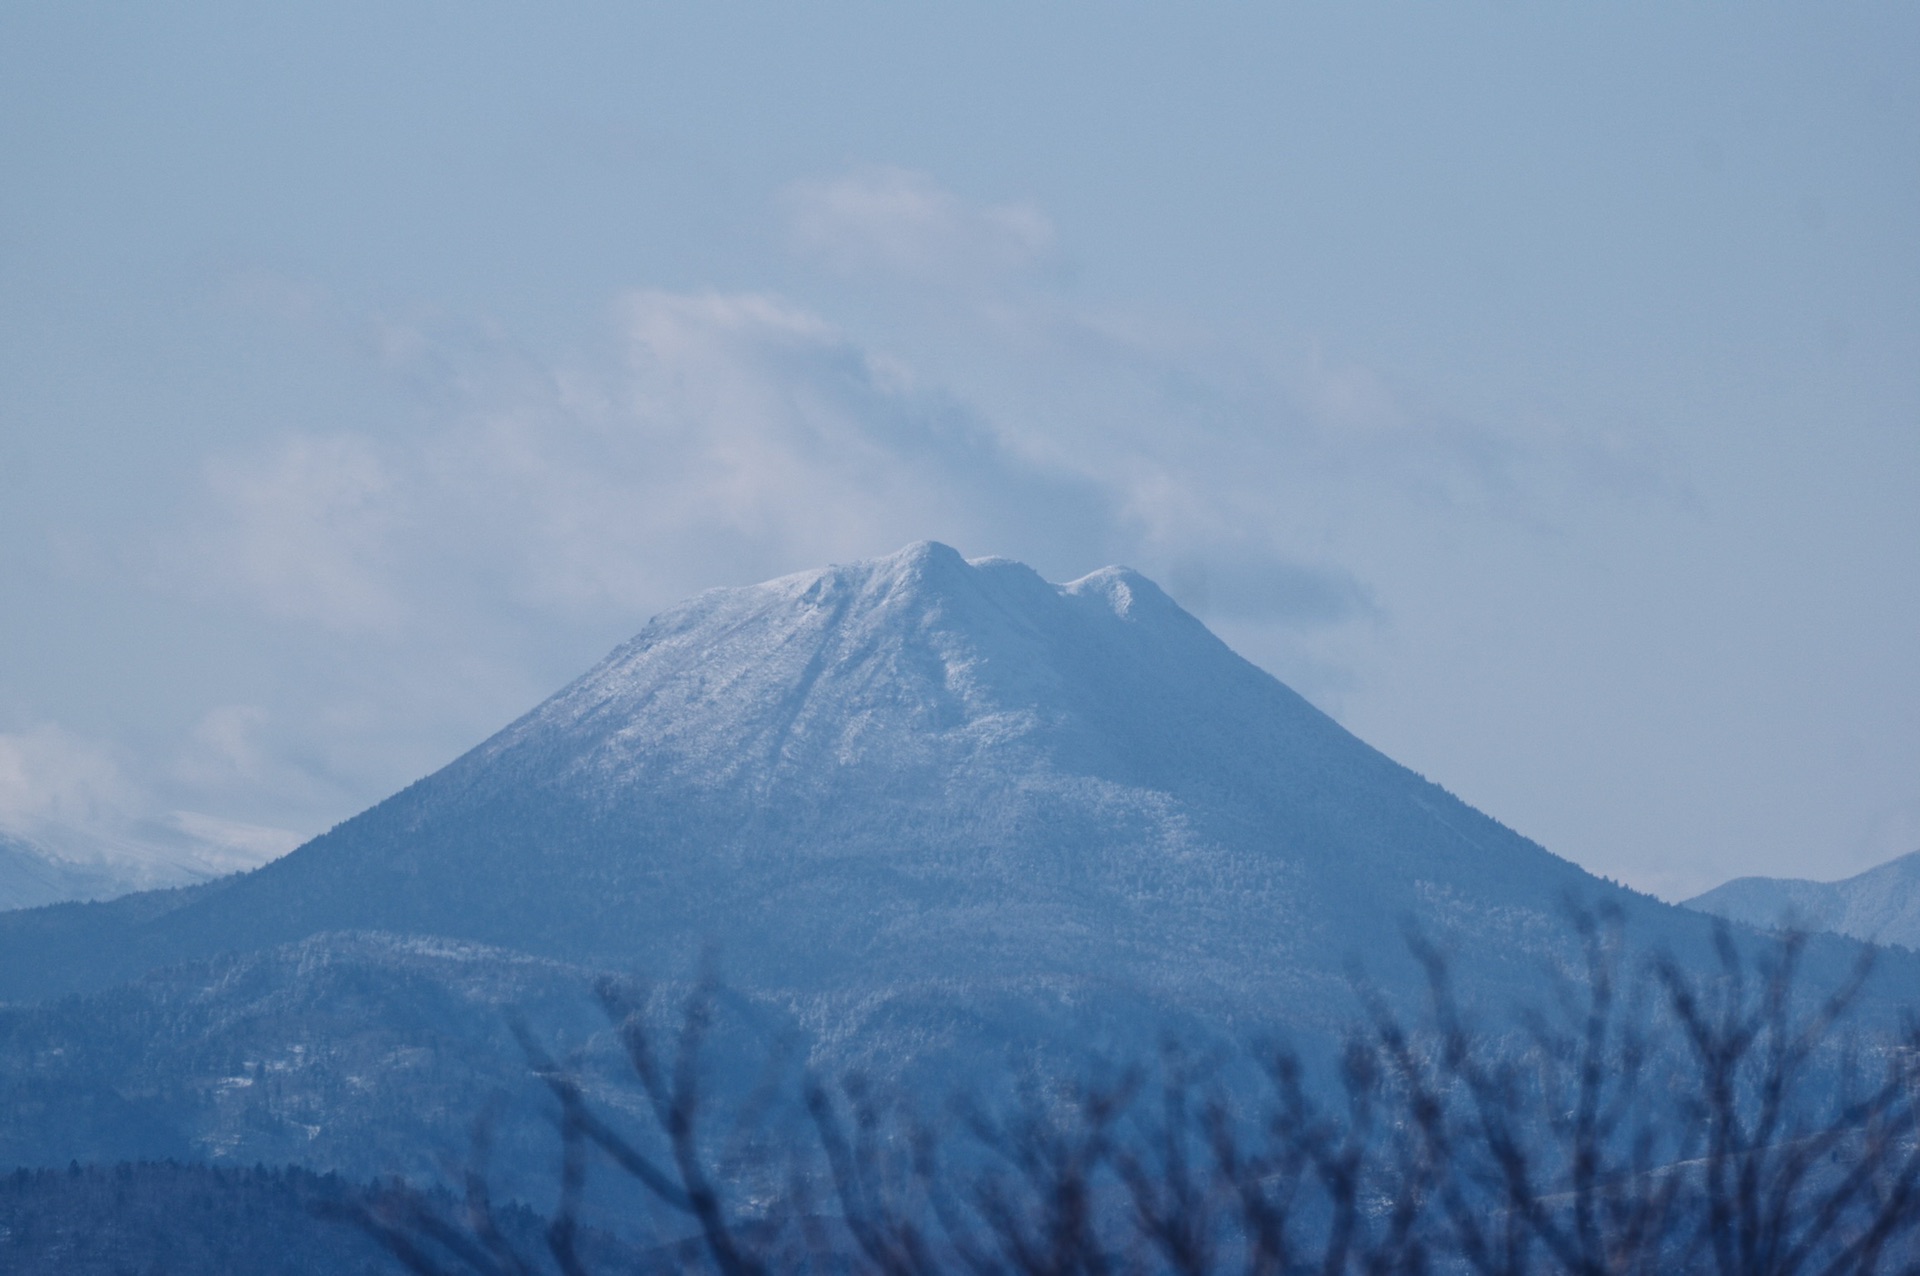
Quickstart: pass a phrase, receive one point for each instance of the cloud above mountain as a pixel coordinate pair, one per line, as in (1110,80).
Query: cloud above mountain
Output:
(49,774)
(736,434)
(723,436)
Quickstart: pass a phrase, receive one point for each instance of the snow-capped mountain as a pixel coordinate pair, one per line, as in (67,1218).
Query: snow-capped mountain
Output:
(917,780)
(927,810)
(1881,905)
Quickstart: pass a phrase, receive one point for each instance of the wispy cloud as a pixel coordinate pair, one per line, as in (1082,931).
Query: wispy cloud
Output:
(85,801)
(895,221)
(49,774)
(1525,468)
(1200,434)
(307,526)
(739,434)
(742,433)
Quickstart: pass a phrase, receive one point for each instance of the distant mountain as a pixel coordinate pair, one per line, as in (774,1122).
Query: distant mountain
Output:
(31,876)
(923,808)
(53,864)
(1881,905)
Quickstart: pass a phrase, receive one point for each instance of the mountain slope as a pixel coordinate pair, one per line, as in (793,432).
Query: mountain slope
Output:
(920,781)
(1881,905)
(368,1054)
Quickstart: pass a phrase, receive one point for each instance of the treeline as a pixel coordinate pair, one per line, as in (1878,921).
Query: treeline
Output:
(164,1217)
(1643,1119)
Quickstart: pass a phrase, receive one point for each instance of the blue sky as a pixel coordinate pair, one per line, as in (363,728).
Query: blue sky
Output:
(1533,387)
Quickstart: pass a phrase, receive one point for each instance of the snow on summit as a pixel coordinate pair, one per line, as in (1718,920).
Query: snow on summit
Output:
(887,658)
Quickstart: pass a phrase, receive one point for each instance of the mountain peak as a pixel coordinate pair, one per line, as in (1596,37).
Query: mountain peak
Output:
(921,557)
(921,770)
(1128,595)
(923,566)
(911,648)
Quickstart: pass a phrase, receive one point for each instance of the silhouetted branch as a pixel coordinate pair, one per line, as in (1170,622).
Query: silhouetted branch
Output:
(1647,1120)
